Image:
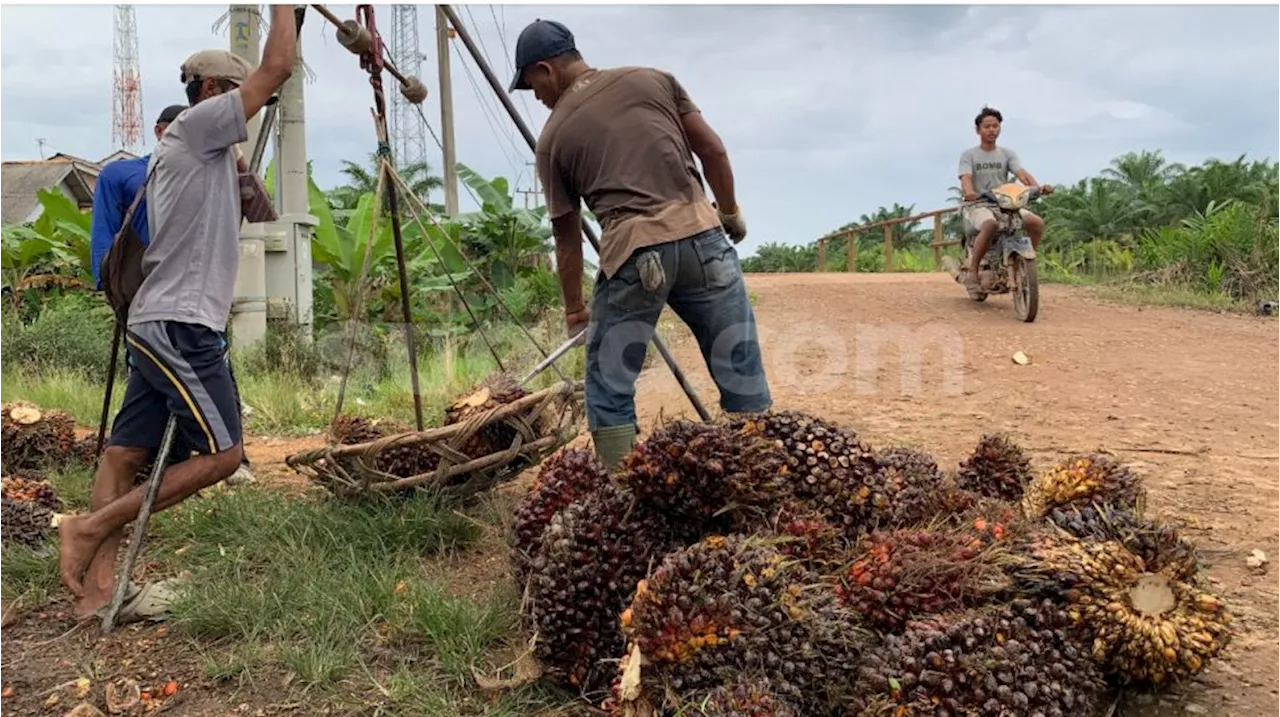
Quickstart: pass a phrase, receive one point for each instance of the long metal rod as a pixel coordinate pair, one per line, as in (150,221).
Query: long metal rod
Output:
(553,357)
(409,340)
(136,538)
(590,233)
(111,385)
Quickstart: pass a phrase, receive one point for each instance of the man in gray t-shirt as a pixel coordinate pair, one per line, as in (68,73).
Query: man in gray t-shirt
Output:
(982,169)
(177,321)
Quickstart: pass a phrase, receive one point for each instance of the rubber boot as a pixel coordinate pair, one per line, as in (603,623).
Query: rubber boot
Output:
(613,443)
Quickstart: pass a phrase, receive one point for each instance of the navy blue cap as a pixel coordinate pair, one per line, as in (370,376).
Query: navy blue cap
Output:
(541,40)
(170,114)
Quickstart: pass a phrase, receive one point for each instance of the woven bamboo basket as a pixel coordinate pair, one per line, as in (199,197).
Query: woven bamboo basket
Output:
(542,422)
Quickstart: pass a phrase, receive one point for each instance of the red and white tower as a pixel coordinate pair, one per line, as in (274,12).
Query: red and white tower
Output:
(126,93)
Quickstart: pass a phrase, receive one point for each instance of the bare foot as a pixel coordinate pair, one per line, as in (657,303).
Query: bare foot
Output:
(89,604)
(77,546)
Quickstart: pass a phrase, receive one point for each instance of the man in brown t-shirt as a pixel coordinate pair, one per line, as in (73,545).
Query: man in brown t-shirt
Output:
(623,140)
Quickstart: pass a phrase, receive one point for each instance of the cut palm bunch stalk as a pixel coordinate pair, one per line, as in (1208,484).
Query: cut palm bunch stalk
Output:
(34,438)
(491,434)
(1145,623)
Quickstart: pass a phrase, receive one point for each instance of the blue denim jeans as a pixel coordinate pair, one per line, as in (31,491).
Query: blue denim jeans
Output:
(703,284)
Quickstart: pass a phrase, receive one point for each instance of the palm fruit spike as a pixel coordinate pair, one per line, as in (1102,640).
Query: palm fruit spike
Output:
(807,536)
(1157,544)
(1012,660)
(729,605)
(1081,480)
(998,468)
(33,437)
(743,697)
(693,470)
(399,461)
(592,554)
(904,574)
(1145,627)
(565,477)
(25,522)
(24,489)
(496,390)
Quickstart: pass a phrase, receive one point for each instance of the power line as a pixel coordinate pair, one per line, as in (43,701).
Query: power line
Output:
(492,120)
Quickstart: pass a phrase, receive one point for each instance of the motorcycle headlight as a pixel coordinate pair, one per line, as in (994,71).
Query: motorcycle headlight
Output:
(1005,201)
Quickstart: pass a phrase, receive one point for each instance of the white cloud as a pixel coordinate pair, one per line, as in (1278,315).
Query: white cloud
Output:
(828,111)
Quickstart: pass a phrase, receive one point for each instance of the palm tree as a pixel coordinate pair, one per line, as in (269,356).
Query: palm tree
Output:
(362,180)
(1142,170)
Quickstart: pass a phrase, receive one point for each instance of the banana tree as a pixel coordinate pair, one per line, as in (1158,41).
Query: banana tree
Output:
(29,260)
(506,236)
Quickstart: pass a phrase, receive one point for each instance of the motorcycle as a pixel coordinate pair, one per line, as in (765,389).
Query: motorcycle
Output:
(1010,263)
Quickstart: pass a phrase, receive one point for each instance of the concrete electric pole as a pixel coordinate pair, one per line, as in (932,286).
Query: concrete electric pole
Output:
(446,114)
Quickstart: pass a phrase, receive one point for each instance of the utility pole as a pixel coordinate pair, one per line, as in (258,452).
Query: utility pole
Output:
(446,114)
(246,41)
(536,192)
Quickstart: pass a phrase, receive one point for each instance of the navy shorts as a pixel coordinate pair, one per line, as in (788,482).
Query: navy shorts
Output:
(179,369)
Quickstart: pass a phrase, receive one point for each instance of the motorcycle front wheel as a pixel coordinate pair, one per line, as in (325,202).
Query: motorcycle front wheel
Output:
(1026,298)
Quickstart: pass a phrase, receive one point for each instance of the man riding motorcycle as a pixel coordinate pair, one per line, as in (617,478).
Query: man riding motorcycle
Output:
(982,169)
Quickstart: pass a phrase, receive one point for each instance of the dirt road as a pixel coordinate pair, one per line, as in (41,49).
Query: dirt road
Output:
(1188,399)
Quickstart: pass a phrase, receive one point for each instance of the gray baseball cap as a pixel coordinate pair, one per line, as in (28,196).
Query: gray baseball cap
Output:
(541,40)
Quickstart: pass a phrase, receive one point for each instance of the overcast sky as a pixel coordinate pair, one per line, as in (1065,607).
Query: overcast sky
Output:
(828,111)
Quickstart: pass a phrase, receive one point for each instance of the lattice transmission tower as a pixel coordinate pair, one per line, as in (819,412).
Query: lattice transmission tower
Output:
(408,131)
(126,93)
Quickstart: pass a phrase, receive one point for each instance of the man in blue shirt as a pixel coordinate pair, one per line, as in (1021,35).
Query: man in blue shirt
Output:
(117,185)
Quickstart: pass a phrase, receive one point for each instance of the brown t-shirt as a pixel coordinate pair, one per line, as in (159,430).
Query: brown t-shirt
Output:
(615,140)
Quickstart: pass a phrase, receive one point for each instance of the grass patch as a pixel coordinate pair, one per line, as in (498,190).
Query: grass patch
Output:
(63,389)
(314,586)
(74,486)
(30,577)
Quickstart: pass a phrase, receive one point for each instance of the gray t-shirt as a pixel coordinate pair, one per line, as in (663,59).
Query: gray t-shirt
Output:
(193,210)
(989,169)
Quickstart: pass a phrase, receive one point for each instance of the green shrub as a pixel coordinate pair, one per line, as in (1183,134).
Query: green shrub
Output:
(71,332)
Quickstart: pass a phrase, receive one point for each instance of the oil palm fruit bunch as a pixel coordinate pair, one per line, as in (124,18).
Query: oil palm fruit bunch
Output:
(349,430)
(565,476)
(1145,627)
(906,489)
(25,522)
(1014,660)
(903,574)
(33,437)
(590,558)
(494,391)
(27,489)
(400,461)
(85,451)
(1157,544)
(1081,480)
(693,470)
(732,605)
(998,468)
(823,458)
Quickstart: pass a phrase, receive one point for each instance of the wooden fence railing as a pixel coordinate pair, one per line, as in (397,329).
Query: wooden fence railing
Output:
(937,244)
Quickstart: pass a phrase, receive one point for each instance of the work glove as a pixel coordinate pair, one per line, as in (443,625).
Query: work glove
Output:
(734,225)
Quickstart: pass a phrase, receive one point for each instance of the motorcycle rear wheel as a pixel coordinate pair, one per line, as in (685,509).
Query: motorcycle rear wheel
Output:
(1026,297)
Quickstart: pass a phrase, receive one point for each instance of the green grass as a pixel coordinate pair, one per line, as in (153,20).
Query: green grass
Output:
(330,590)
(63,389)
(29,577)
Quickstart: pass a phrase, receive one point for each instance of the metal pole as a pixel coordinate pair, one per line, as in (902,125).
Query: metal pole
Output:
(450,157)
(140,526)
(590,233)
(111,385)
(245,29)
(409,339)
